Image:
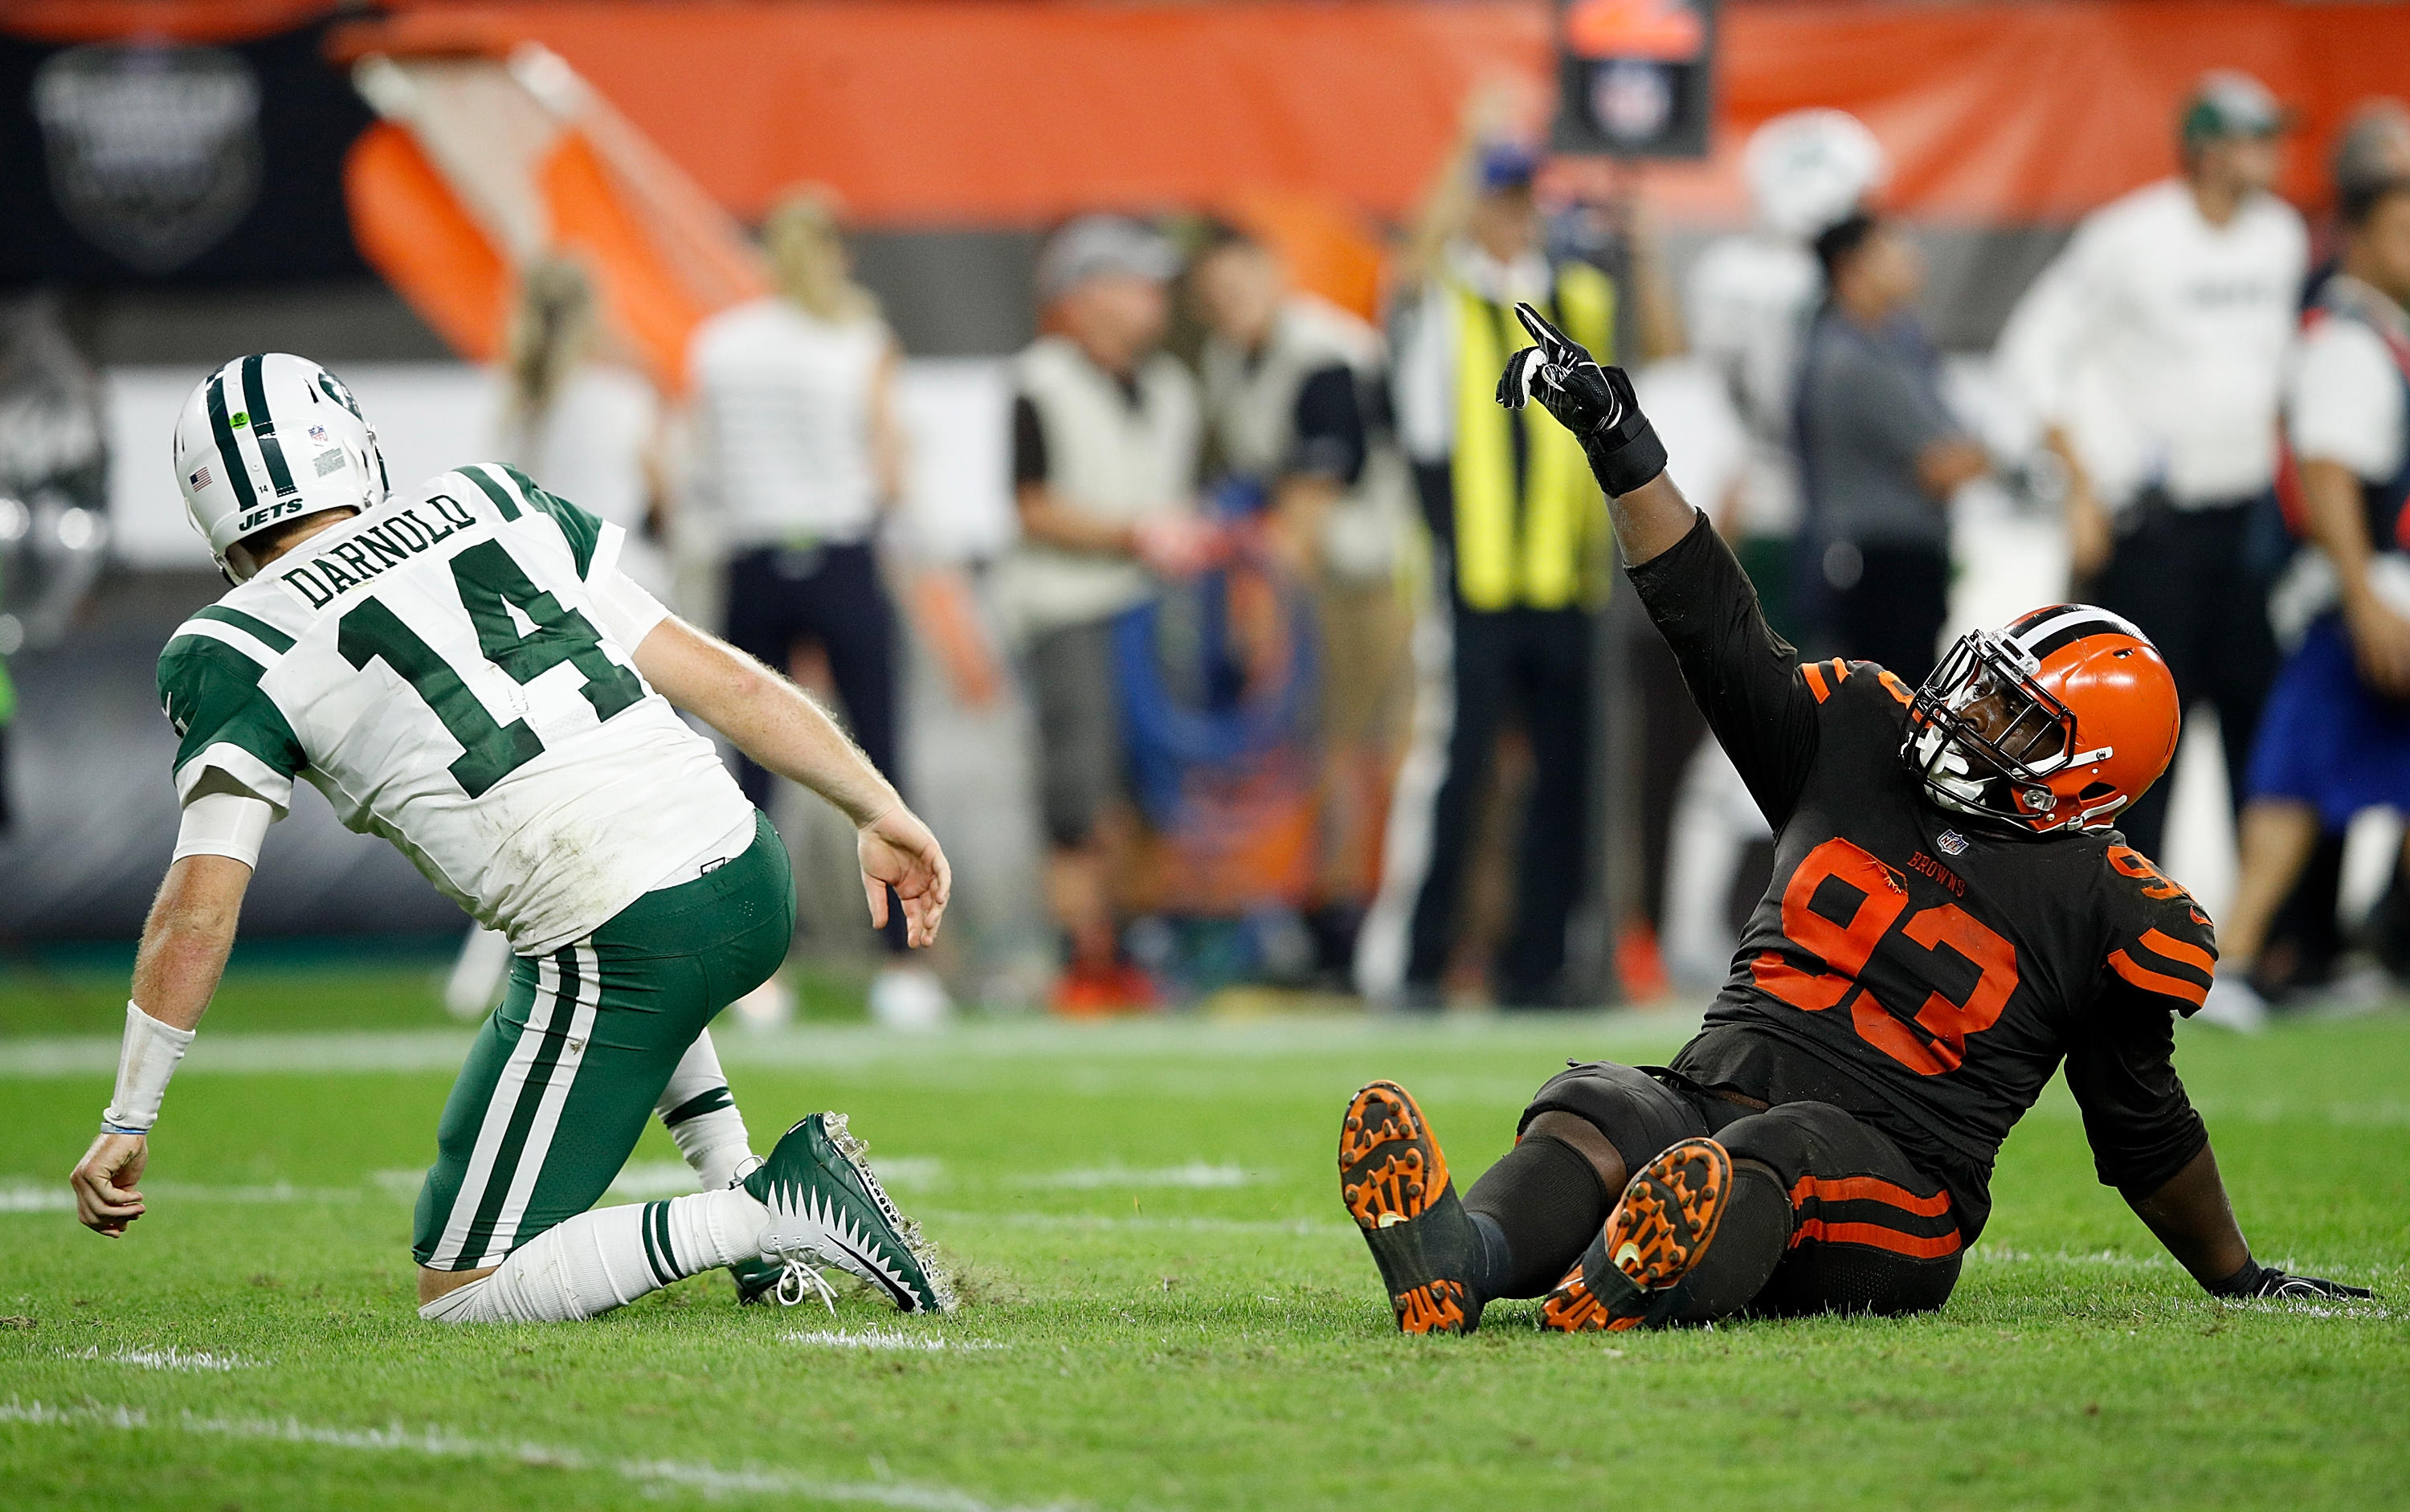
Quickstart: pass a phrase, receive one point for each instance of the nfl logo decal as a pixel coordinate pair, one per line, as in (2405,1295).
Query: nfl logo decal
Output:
(1952,842)
(317,432)
(201,478)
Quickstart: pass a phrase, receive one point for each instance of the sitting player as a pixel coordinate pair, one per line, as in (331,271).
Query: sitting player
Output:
(1951,918)
(467,673)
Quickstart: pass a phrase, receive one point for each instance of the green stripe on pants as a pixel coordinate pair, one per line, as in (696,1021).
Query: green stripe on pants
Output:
(522,1153)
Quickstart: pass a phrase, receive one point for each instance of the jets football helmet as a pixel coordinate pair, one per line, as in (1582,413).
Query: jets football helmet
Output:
(2057,721)
(269,438)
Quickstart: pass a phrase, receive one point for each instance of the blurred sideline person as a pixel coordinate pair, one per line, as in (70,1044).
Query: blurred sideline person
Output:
(2305,939)
(1290,380)
(1880,452)
(1750,299)
(53,487)
(2152,351)
(375,644)
(1825,1143)
(2372,148)
(1518,539)
(1105,435)
(798,454)
(586,429)
(2335,739)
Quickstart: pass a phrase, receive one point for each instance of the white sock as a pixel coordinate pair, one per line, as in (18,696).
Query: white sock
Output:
(701,1115)
(609,1258)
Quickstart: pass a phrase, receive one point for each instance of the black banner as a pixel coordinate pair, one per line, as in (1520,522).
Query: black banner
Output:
(159,162)
(1636,77)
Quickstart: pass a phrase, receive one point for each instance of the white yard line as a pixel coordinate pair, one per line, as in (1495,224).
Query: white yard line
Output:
(885,1339)
(655,1477)
(1294,1227)
(31,1195)
(171,1359)
(1189,1042)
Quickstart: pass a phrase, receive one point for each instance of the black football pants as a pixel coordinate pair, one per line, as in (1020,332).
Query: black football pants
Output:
(1843,1223)
(2186,578)
(831,595)
(1536,663)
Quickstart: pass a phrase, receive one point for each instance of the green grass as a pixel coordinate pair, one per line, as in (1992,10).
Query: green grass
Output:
(1166,1307)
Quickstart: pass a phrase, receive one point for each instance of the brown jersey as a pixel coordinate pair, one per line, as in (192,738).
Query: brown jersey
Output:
(1925,969)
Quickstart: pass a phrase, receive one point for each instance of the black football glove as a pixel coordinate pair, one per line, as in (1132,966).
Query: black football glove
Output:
(1595,403)
(2256,1280)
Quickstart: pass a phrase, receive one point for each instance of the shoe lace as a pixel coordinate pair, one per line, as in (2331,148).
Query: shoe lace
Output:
(799,1276)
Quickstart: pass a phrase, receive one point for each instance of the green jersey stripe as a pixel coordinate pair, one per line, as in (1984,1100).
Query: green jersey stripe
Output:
(580,529)
(211,692)
(238,472)
(495,491)
(263,426)
(273,639)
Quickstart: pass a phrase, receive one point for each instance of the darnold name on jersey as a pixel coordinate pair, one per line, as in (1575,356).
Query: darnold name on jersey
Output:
(399,536)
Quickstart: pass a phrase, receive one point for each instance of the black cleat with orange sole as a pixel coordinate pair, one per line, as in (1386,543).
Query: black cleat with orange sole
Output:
(1667,1218)
(1394,1180)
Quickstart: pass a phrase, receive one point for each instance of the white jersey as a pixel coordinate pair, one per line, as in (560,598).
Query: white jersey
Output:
(2157,341)
(782,404)
(453,671)
(1752,298)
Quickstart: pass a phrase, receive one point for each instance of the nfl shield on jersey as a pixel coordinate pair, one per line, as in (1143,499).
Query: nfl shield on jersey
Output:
(443,670)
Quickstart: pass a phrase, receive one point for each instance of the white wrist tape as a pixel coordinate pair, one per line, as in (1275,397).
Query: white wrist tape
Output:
(145,1060)
(230,825)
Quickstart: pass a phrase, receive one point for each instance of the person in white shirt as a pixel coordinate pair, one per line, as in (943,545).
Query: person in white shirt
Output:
(2336,736)
(2152,352)
(584,425)
(798,454)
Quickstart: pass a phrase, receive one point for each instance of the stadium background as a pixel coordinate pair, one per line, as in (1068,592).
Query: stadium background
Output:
(958,134)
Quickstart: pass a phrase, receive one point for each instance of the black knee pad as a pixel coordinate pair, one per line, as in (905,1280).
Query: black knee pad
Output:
(1639,1115)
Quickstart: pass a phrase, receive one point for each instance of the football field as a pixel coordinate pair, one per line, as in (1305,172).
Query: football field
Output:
(1165,1306)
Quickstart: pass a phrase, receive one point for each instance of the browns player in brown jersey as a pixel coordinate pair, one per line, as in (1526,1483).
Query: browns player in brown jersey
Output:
(1951,918)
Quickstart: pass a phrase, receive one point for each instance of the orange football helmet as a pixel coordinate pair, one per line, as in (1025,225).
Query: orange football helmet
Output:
(2055,722)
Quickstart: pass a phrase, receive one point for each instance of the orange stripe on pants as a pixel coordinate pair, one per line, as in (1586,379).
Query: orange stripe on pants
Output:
(1876,1236)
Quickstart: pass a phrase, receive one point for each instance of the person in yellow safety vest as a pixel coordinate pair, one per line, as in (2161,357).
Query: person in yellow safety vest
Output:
(1519,538)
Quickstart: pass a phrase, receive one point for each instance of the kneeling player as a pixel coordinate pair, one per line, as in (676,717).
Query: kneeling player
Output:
(1951,918)
(468,674)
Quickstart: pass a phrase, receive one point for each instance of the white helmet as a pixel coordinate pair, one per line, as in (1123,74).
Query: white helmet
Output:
(1809,170)
(268,438)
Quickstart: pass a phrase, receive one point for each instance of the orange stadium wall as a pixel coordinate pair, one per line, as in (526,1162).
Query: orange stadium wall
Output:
(983,112)
(953,112)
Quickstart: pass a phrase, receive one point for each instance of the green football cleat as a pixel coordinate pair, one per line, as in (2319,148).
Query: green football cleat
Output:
(826,1208)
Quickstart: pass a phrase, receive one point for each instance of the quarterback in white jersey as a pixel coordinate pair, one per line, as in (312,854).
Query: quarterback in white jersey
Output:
(467,673)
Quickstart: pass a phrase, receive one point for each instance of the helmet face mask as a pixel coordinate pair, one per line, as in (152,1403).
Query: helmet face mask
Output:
(2057,722)
(1986,737)
(267,440)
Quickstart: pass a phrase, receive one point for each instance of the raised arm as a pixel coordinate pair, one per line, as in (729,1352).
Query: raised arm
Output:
(1744,677)
(183,951)
(778,725)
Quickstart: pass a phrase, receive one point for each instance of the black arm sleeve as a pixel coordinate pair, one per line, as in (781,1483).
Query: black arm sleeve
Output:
(1744,677)
(1028,443)
(1329,427)
(2121,1066)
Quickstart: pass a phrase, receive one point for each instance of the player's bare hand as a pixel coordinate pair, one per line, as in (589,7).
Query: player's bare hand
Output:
(2381,639)
(105,1198)
(897,851)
